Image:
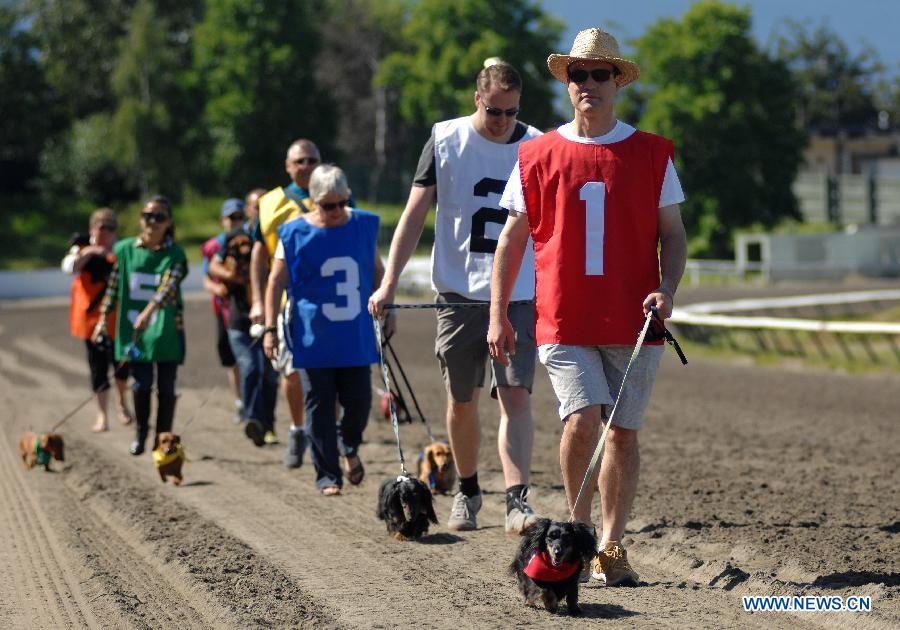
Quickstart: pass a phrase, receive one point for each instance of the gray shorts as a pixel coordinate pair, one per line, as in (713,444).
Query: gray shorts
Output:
(461,347)
(583,376)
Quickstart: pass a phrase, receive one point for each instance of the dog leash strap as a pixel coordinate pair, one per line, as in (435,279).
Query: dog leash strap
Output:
(409,388)
(599,449)
(379,336)
(422,305)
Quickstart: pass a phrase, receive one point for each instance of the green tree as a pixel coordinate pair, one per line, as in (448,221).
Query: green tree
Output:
(446,43)
(730,110)
(254,64)
(838,89)
(356,36)
(29,113)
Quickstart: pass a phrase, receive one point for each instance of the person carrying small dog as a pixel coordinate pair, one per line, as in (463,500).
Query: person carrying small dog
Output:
(259,380)
(91,260)
(600,200)
(145,292)
(328,261)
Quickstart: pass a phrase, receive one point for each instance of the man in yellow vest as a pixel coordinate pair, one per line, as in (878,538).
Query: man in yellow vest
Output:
(277,207)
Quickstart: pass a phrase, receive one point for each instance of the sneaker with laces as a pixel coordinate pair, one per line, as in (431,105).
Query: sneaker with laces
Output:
(521,515)
(462,514)
(293,458)
(271,438)
(610,565)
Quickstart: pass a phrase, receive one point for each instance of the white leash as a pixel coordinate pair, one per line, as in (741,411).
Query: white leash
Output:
(596,457)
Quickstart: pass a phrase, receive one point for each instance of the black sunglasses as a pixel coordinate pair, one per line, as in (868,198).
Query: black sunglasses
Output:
(497,112)
(306,160)
(600,75)
(237,216)
(107,227)
(334,205)
(158,217)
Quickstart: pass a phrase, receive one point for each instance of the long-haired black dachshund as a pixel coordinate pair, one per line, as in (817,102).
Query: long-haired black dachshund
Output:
(549,562)
(405,505)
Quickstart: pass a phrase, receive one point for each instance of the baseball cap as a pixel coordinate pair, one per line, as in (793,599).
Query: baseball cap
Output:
(231,206)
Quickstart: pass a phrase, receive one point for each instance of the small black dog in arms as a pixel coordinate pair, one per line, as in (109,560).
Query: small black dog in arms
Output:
(549,562)
(405,505)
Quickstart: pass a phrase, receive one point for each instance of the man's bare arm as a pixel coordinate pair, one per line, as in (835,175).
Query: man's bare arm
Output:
(672,260)
(511,246)
(403,244)
(259,272)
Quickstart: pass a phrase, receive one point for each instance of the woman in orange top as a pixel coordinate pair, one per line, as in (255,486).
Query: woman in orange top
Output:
(91,259)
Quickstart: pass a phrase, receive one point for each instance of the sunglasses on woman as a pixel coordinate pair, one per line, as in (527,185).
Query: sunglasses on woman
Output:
(600,75)
(154,217)
(334,205)
(107,227)
(497,112)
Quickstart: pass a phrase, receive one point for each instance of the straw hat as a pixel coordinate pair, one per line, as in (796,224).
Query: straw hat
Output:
(596,45)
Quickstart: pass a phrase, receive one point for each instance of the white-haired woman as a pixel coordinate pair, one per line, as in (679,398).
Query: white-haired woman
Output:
(329,263)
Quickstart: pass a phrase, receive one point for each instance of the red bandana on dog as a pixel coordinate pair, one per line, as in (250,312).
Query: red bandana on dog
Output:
(540,568)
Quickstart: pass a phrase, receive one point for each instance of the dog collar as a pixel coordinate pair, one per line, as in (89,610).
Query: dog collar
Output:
(539,567)
(161,459)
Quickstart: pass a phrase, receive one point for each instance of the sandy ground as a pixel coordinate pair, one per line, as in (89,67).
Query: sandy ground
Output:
(755,480)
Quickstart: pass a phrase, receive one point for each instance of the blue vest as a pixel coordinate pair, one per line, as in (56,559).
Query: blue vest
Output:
(332,271)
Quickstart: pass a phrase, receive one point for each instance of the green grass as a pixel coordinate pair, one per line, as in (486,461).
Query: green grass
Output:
(33,233)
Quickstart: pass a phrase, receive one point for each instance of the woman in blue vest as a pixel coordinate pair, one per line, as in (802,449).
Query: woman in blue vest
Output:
(328,261)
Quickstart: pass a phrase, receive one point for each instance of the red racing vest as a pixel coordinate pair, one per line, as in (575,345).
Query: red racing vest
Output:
(593,211)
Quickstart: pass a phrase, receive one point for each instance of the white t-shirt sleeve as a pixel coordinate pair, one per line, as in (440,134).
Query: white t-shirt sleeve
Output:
(68,263)
(671,192)
(279,250)
(513,198)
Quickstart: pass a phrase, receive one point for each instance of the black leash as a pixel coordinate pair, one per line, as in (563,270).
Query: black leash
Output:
(409,388)
(379,336)
(668,336)
(422,305)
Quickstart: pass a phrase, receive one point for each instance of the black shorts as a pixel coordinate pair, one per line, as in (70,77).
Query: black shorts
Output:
(226,356)
(100,357)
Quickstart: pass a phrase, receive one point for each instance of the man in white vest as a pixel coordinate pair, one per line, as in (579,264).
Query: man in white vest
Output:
(465,165)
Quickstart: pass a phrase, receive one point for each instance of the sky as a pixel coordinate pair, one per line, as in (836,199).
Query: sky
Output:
(857,23)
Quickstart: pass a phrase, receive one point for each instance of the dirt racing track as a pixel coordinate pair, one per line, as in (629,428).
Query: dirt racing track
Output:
(755,480)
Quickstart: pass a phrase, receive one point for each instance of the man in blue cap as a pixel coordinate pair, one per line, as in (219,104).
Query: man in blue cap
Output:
(231,216)
(230,265)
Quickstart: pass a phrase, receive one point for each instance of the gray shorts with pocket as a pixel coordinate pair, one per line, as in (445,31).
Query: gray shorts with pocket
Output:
(462,350)
(583,376)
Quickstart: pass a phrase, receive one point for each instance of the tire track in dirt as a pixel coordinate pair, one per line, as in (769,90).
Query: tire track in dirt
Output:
(243,531)
(57,595)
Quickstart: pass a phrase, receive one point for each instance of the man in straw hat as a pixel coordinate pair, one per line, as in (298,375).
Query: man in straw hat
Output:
(465,164)
(598,197)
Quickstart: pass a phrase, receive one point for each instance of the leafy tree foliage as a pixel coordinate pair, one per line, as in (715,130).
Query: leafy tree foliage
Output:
(730,109)
(28,111)
(447,42)
(837,86)
(254,65)
(370,133)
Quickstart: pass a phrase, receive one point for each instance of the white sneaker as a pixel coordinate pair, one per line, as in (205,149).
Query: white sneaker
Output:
(462,514)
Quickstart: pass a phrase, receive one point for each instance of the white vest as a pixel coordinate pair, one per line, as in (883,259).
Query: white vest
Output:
(471,174)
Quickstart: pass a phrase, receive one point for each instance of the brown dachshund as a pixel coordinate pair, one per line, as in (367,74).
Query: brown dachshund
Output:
(436,468)
(168,456)
(38,450)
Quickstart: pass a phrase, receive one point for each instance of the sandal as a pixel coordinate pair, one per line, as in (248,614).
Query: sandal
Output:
(355,472)
(330,491)
(100,426)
